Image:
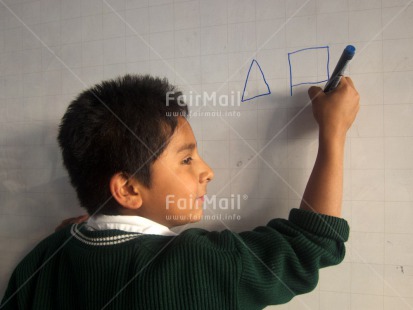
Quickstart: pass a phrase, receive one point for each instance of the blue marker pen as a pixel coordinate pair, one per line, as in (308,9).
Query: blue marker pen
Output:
(345,58)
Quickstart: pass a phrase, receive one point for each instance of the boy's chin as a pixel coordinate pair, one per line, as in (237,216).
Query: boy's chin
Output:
(196,218)
(190,218)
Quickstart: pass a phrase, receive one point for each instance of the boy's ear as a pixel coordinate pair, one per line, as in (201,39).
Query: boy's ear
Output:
(126,191)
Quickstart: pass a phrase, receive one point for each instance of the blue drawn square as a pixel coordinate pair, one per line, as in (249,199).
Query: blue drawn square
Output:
(305,63)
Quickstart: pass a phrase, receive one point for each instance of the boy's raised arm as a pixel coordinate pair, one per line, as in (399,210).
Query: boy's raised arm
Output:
(334,113)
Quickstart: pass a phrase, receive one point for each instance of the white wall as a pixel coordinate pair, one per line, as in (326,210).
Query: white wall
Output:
(52,49)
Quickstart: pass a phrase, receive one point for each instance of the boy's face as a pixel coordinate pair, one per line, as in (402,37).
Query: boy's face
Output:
(179,179)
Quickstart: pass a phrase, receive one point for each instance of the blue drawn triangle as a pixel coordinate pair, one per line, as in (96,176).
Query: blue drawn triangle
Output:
(246,81)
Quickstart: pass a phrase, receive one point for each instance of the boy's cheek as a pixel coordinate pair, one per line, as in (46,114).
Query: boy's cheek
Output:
(185,201)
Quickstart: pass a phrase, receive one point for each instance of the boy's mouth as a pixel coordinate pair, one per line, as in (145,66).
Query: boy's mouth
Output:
(201,198)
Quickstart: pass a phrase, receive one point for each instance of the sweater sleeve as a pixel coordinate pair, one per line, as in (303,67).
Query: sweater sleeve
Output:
(8,302)
(282,259)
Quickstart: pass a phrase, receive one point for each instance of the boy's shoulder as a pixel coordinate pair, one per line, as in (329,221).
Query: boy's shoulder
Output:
(75,236)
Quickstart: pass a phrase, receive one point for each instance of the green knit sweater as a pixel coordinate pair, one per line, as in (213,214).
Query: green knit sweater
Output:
(80,269)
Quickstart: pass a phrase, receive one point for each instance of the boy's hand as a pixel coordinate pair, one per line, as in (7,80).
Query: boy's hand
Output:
(72,220)
(335,111)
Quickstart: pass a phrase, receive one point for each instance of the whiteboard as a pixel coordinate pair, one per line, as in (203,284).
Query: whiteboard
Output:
(261,144)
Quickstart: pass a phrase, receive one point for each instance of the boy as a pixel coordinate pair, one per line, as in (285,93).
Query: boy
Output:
(126,159)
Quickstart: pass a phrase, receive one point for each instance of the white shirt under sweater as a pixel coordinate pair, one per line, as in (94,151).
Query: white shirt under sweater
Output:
(128,223)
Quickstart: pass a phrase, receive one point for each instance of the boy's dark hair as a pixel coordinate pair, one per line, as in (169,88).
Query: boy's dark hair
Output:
(119,125)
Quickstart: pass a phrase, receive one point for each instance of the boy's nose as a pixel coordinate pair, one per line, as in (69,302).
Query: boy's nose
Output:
(207,175)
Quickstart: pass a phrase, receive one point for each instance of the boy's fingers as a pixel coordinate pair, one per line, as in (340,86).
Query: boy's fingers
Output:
(82,218)
(349,81)
(346,81)
(73,220)
(79,219)
(315,91)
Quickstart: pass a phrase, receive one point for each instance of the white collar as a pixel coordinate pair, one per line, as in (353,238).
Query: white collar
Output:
(128,223)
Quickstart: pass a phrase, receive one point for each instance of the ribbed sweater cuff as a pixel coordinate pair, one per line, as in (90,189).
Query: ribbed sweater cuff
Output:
(321,224)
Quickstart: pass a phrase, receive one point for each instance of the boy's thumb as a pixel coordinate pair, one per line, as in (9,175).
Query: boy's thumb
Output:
(315,91)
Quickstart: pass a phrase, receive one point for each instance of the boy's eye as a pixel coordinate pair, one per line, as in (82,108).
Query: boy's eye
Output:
(187,161)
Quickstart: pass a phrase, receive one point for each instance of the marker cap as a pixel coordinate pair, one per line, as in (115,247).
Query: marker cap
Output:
(349,51)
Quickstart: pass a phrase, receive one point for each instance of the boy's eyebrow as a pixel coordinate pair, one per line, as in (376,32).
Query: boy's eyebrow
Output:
(188,146)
